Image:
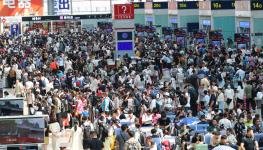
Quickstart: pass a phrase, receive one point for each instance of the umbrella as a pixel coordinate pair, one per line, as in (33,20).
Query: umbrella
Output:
(188,121)
(223,147)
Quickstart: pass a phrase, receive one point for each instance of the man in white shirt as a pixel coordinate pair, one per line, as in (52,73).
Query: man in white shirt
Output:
(147,118)
(226,122)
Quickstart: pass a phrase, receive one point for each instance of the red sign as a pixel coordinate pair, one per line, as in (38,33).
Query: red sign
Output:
(123,11)
(21,7)
(3,20)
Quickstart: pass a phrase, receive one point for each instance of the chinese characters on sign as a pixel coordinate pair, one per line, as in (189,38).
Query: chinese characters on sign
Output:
(123,11)
(66,17)
(21,3)
(21,7)
(9,3)
(63,4)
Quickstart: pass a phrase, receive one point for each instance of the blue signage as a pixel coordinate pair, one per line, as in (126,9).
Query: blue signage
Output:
(244,24)
(206,22)
(125,46)
(173,20)
(124,36)
(14,29)
(63,4)
(149,19)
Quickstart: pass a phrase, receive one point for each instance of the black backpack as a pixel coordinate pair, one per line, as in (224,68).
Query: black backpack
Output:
(219,77)
(86,132)
(182,100)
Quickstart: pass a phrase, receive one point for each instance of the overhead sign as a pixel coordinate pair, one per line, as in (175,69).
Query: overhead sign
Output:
(256,4)
(61,7)
(123,11)
(160,5)
(66,17)
(63,4)
(21,7)
(139,5)
(122,36)
(188,5)
(218,5)
(242,37)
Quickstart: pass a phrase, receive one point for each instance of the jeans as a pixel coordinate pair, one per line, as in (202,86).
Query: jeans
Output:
(221,105)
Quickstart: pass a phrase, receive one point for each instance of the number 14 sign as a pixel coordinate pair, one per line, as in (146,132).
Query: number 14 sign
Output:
(123,11)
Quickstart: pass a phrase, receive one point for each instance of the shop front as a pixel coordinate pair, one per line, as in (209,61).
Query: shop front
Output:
(46,24)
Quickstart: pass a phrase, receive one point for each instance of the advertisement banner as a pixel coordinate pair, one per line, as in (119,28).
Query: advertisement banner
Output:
(21,8)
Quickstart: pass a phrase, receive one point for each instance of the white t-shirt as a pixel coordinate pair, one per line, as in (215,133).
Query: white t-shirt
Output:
(259,96)
(229,93)
(29,85)
(146,118)
(188,100)
(240,93)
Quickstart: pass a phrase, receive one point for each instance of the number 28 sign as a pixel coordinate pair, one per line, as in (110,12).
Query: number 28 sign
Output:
(123,11)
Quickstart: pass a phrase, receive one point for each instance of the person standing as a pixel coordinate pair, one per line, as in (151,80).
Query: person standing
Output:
(77,135)
(249,142)
(249,98)
(122,137)
(132,143)
(220,100)
(94,143)
(229,95)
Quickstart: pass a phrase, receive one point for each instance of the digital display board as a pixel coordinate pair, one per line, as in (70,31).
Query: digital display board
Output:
(216,43)
(215,35)
(11,107)
(200,40)
(67,17)
(167,30)
(218,5)
(188,5)
(125,46)
(242,37)
(199,34)
(180,40)
(173,20)
(244,24)
(138,5)
(24,130)
(124,36)
(160,5)
(256,4)
(179,32)
(207,22)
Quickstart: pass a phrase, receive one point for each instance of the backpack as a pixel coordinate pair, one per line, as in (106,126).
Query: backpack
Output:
(110,105)
(182,100)
(56,83)
(166,145)
(78,83)
(42,83)
(219,77)
(132,146)
(86,132)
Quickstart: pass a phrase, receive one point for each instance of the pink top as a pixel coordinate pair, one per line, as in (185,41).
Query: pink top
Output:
(80,106)
(155,118)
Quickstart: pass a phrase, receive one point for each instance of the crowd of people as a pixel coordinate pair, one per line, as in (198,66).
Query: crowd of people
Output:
(164,97)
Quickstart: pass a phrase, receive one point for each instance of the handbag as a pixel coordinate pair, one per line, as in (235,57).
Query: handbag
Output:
(228,101)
